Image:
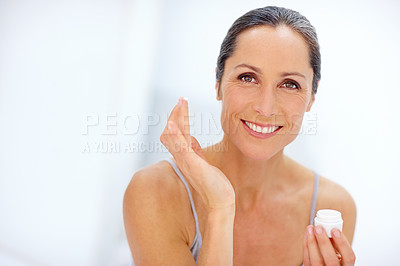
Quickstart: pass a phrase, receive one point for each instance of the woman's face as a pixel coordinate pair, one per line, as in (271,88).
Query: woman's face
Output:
(267,82)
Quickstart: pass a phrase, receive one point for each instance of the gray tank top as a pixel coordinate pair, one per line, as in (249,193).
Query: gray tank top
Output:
(195,247)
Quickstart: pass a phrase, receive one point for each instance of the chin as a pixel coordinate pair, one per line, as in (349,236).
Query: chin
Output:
(258,153)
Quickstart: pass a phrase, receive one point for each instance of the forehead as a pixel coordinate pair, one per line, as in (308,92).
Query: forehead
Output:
(272,48)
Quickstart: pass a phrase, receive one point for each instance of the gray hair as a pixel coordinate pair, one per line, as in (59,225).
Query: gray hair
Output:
(273,16)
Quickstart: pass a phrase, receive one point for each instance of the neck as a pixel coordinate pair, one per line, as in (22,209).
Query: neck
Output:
(252,180)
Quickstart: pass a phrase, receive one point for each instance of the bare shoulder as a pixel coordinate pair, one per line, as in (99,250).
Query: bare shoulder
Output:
(334,196)
(155,188)
(330,194)
(157,181)
(155,206)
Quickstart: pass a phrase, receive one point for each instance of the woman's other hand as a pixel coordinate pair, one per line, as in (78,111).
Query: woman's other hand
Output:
(212,185)
(319,249)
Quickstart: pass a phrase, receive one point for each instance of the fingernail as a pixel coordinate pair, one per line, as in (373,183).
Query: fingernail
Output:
(336,232)
(180,101)
(318,230)
(185,98)
(310,230)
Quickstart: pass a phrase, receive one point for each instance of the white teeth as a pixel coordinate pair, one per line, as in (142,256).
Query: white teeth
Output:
(259,129)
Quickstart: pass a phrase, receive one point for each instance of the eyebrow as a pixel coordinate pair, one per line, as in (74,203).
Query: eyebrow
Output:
(258,70)
(284,74)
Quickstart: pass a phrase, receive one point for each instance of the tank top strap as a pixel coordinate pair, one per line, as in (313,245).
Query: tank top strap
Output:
(195,247)
(314,198)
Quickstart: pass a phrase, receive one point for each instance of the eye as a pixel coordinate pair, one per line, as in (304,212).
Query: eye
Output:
(247,78)
(291,85)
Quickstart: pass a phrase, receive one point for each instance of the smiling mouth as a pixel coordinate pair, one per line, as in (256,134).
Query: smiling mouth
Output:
(261,129)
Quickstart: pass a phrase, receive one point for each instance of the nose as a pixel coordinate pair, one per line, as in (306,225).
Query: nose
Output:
(266,104)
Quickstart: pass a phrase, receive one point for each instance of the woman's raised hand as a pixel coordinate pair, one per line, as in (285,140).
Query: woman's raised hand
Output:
(319,249)
(214,188)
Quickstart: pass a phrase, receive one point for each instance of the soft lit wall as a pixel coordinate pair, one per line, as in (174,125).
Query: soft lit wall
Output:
(71,72)
(86,87)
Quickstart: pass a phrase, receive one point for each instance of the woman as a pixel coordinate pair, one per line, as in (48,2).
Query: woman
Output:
(242,201)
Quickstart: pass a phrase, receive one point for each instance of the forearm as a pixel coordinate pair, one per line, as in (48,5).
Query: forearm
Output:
(217,246)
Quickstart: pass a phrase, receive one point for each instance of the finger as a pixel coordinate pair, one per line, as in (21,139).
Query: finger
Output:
(175,113)
(168,138)
(344,247)
(178,146)
(325,246)
(165,137)
(313,249)
(179,115)
(173,117)
(306,256)
(197,148)
(184,123)
(175,139)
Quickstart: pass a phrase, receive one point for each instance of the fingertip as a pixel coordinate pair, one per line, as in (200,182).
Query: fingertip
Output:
(319,230)
(310,230)
(336,233)
(182,100)
(179,101)
(305,234)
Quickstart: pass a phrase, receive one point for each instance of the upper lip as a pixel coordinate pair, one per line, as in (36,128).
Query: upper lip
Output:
(261,125)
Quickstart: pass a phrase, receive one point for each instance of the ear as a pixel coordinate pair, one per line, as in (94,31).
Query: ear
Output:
(312,100)
(218,91)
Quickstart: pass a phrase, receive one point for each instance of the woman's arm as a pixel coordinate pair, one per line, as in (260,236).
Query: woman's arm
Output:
(217,247)
(155,234)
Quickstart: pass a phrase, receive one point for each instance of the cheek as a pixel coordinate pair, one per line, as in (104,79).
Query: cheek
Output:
(234,104)
(294,108)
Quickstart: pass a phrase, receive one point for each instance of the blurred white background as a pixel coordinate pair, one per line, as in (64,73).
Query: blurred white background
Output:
(86,86)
